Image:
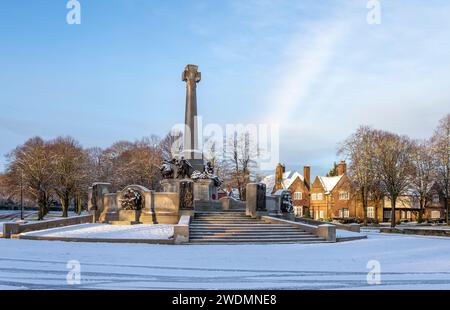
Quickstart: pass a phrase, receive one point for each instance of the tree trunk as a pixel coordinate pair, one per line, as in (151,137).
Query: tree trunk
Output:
(78,205)
(393,202)
(447,208)
(364,202)
(42,205)
(65,206)
(422,207)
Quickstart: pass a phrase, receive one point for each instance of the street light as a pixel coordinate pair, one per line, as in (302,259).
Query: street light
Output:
(21,195)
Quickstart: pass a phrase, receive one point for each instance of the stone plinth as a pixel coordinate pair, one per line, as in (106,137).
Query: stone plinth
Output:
(95,196)
(184,188)
(131,216)
(205,190)
(256,198)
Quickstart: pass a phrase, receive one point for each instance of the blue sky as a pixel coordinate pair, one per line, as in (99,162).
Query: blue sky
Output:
(316,67)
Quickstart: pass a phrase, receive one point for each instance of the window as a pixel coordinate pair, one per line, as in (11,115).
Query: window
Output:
(314,196)
(371,212)
(320,196)
(387,215)
(435,215)
(321,215)
(298,211)
(436,198)
(346,213)
(344,196)
(298,196)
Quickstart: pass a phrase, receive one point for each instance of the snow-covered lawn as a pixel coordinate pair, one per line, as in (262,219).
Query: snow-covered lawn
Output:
(407,262)
(108,231)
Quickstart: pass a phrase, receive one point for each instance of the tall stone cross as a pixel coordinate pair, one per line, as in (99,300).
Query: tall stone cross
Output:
(191,76)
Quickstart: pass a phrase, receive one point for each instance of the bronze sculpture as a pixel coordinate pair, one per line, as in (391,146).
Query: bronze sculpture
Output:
(132,200)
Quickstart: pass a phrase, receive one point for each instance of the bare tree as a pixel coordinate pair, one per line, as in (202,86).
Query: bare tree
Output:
(32,164)
(441,154)
(241,154)
(215,155)
(393,165)
(422,175)
(171,145)
(69,170)
(359,150)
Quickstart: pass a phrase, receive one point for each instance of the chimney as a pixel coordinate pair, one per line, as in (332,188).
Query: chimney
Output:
(307,175)
(279,171)
(342,168)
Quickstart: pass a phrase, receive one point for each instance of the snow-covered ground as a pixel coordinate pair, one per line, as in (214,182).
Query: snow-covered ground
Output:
(340,233)
(108,231)
(407,262)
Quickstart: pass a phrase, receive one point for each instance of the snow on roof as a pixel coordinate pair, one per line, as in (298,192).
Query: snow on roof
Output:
(329,183)
(288,179)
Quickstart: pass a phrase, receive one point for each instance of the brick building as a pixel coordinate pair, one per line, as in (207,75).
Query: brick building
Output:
(293,181)
(336,198)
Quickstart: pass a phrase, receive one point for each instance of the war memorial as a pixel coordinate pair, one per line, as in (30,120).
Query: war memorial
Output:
(189,197)
(188,205)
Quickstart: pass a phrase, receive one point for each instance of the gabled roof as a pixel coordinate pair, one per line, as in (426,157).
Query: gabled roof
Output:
(329,183)
(288,179)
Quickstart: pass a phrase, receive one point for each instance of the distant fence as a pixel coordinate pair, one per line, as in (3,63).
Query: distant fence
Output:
(348,227)
(10,229)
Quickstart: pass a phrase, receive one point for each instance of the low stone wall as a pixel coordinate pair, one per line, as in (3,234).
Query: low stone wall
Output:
(326,231)
(420,232)
(348,227)
(10,229)
(230,203)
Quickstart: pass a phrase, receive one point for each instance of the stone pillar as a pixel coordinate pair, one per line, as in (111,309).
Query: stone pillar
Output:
(191,76)
(95,195)
(256,198)
(327,231)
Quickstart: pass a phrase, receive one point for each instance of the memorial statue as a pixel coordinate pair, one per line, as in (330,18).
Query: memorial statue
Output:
(208,173)
(286,203)
(166,170)
(132,200)
(183,168)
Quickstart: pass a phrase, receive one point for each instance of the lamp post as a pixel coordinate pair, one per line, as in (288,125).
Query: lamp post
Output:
(21,195)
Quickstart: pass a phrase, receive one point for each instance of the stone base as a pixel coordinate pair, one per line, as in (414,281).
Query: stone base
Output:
(129,216)
(205,190)
(123,223)
(159,218)
(124,217)
(208,206)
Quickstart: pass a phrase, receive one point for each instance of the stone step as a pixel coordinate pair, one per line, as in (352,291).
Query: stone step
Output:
(224,217)
(228,222)
(253,240)
(218,230)
(241,225)
(275,236)
(248,234)
(243,213)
